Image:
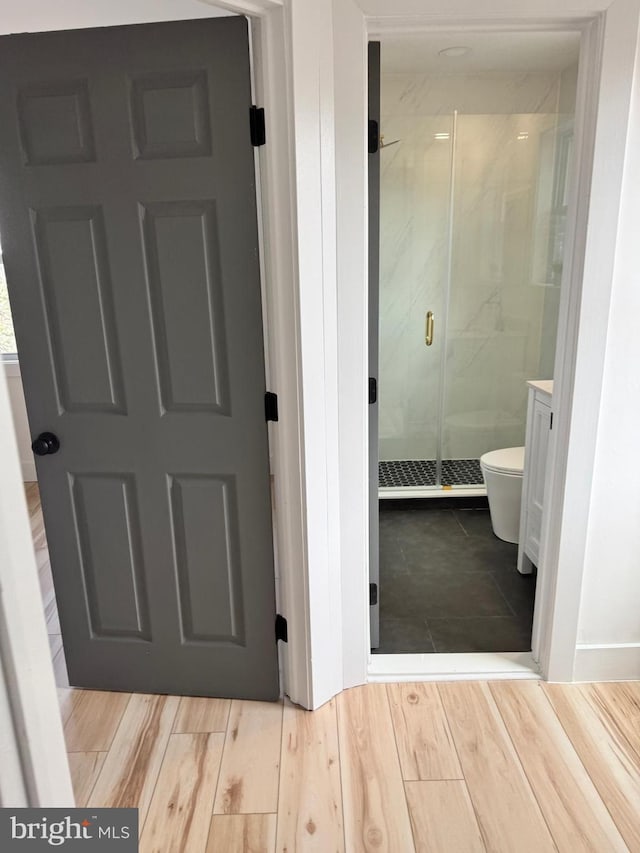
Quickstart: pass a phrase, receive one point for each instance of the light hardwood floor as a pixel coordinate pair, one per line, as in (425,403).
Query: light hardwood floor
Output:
(457,767)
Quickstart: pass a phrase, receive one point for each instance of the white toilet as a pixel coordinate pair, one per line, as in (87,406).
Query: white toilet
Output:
(502,472)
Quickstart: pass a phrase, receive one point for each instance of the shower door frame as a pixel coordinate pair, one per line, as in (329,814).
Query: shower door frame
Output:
(439,398)
(555,627)
(438,489)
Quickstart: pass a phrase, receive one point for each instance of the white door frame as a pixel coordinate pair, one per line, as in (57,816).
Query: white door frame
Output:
(297,221)
(33,759)
(508,665)
(611,31)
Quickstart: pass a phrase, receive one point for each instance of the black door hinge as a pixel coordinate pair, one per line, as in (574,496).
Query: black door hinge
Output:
(373,389)
(281,629)
(373,594)
(374,136)
(551,421)
(271,406)
(257,125)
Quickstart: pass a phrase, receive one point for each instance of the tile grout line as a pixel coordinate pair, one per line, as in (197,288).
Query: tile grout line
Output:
(344,822)
(280,763)
(124,711)
(461,525)
(404,791)
(160,766)
(493,699)
(207,731)
(402,779)
(579,757)
(464,778)
(455,746)
(117,729)
(86,751)
(499,588)
(608,716)
(215,790)
(475,812)
(431,640)
(450,732)
(95,781)
(224,746)
(173,727)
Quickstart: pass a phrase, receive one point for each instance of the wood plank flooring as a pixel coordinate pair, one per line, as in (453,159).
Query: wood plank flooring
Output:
(458,767)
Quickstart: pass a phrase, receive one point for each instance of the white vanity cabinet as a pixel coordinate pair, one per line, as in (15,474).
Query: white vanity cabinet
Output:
(535,466)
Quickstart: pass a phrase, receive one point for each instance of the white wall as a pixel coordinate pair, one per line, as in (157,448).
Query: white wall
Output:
(350,59)
(20,422)
(610,607)
(312,69)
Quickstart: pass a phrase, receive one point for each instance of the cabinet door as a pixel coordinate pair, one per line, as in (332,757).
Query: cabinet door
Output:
(537,471)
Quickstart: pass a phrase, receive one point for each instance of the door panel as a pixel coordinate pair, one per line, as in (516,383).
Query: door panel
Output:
(170,115)
(55,122)
(188,318)
(111,555)
(129,232)
(71,255)
(204,517)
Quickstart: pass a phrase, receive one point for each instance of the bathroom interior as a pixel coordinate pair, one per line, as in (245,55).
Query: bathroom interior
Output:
(475,162)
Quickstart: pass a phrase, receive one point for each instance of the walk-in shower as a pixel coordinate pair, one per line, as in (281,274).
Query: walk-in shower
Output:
(473,174)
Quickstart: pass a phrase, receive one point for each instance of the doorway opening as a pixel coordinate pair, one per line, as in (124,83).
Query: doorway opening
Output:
(474,159)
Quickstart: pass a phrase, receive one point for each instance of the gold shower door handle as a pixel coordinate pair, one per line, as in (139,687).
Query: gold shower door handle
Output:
(428,332)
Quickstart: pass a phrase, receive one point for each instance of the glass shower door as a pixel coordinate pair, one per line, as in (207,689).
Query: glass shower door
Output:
(500,296)
(415,194)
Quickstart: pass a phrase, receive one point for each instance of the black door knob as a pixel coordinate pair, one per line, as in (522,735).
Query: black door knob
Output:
(45,444)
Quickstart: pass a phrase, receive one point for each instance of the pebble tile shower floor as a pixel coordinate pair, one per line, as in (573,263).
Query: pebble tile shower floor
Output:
(422,472)
(448,584)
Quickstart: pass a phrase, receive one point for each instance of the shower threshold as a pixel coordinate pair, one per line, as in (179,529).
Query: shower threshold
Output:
(416,478)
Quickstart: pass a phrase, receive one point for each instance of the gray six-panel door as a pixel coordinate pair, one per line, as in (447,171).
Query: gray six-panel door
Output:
(128,224)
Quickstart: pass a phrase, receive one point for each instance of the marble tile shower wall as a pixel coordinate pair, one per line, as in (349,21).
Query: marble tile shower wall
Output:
(495,309)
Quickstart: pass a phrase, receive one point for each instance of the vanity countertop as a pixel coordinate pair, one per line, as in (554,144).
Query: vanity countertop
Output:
(545,385)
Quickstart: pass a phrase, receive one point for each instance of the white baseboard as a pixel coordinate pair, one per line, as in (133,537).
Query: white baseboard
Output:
(28,470)
(615,662)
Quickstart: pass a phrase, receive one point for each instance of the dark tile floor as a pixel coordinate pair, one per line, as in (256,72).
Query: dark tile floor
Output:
(448,584)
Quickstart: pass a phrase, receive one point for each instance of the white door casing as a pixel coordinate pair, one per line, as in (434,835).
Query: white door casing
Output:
(610,32)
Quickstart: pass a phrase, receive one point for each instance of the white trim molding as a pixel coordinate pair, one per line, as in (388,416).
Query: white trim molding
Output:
(298,235)
(282,343)
(20,420)
(11,366)
(608,55)
(583,334)
(293,69)
(453,667)
(36,772)
(613,662)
